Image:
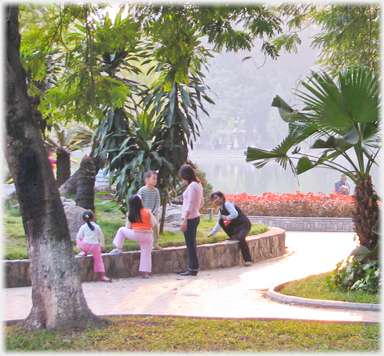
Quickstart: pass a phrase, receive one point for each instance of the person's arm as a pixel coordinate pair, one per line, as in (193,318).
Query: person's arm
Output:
(157,202)
(202,196)
(80,233)
(337,186)
(153,220)
(183,226)
(233,214)
(348,187)
(191,195)
(100,235)
(216,228)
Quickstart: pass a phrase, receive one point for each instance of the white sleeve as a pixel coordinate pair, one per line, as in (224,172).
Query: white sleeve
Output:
(80,233)
(100,235)
(233,214)
(153,220)
(216,228)
(127,224)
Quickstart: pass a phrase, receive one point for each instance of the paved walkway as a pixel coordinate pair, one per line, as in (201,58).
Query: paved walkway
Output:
(237,292)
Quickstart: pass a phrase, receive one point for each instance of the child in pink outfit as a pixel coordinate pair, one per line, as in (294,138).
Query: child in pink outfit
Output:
(90,239)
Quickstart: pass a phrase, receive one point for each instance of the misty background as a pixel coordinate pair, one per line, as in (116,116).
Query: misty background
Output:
(243,116)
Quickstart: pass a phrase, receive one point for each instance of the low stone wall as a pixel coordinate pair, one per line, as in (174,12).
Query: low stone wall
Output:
(211,256)
(306,223)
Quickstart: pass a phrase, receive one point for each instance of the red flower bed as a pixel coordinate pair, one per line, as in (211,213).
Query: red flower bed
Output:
(294,205)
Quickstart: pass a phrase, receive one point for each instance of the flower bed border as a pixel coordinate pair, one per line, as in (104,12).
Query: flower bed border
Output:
(306,223)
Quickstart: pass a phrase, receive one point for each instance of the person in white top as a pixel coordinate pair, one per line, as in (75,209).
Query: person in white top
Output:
(90,239)
(193,200)
(234,222)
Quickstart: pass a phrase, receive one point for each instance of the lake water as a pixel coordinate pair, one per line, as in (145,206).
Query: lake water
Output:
(229,172)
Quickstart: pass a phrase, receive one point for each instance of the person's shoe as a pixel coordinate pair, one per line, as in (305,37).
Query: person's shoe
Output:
(248,263)
(106,279)
(189,273)
(158,248)
(116,251)
(146,277)
(82,253)
(179,272)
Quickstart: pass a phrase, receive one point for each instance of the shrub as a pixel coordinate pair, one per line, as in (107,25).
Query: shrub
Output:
(294,205)
(352,274)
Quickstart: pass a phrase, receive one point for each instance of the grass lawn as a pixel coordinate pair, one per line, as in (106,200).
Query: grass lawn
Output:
(177,334)
(110,220)
(314,287)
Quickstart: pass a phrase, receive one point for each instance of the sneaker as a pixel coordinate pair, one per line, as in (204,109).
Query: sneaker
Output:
(105,279)
(146,277)
(82,253)
(116,251)
(247,264)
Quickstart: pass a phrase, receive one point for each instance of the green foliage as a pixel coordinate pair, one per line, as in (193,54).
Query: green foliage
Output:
(68,51)
(349,33)
(350,36)
(352,274)
(191,335)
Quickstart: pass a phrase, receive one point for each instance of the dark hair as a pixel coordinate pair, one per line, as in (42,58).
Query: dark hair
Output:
(135,206)
(87,215)
(219,194)
(187,172)
(147,174)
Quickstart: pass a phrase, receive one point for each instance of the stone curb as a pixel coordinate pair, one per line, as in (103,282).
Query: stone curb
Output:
(274,295)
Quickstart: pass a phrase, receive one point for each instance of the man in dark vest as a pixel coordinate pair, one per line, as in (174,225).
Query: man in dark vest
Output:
(234,222)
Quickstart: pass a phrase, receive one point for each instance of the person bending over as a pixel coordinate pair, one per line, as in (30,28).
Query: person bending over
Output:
(234,222)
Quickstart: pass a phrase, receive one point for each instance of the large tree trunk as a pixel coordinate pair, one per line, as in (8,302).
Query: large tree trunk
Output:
(57,296)
(85,190)
(366,215)
(63,166)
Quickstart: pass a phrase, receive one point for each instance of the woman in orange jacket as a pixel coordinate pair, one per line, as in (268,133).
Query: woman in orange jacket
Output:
(138,227)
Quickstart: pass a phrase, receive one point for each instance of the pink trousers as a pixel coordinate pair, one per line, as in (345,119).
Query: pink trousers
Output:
(145,241)
(98,264)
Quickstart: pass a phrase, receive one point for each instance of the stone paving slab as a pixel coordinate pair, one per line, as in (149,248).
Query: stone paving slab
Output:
(236,292)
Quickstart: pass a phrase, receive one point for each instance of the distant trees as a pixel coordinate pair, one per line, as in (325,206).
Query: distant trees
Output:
(349,33)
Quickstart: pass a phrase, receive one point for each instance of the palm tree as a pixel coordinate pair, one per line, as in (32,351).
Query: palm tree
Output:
(341,117)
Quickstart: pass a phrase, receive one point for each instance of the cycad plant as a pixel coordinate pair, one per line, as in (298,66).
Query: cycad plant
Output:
(64,141)
(341,119)
(129,146)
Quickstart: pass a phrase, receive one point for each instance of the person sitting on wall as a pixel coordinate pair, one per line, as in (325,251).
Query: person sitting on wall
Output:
(235,224)
(342,186)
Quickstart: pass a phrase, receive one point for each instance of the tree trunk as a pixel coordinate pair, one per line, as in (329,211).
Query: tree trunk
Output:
(57,296)
(164,205)
(63,166)
(85,191)
(70,185)
(366,214)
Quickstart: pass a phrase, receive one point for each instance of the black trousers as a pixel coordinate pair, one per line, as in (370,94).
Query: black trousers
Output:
(242,231)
